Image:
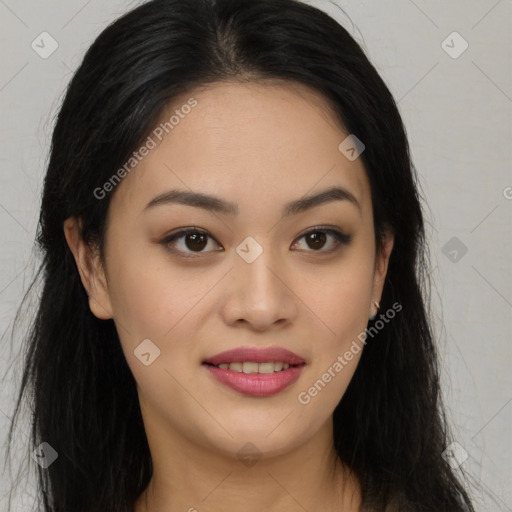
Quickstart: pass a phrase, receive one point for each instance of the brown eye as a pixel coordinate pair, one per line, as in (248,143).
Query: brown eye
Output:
(189,241)
(196,241)
(316,239)
(322,240)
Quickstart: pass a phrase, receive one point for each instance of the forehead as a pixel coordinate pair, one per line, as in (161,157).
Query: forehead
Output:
(247,142)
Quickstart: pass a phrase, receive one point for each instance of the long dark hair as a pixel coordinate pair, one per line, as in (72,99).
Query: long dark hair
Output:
(390,426)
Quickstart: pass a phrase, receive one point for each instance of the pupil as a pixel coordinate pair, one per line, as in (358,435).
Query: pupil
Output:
(195,241)
(316,240)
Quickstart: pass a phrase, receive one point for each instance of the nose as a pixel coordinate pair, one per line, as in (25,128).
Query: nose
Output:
(260,294)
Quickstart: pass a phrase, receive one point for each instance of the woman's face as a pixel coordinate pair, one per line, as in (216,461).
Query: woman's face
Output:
(283,261)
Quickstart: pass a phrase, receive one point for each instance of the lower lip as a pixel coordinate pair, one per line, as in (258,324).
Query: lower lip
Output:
(256,384)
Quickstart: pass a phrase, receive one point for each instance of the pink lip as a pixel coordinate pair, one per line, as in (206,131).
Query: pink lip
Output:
(256,355)
(256,384)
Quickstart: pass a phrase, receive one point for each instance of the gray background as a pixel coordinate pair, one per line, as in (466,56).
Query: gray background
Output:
(458,115)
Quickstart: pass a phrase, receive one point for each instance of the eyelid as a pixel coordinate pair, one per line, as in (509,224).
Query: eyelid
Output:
(324,227)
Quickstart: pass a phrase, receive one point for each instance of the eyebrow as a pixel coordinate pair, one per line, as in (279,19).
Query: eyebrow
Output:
(218,205)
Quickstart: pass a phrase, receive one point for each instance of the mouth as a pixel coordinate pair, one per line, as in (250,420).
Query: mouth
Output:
(254,367)
(256,371)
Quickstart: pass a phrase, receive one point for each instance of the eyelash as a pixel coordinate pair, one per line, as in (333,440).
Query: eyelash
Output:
(340,239)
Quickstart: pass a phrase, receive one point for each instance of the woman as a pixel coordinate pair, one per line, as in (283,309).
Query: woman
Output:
(234,305)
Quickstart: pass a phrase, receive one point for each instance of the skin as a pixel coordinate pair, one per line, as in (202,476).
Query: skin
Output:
(259,146)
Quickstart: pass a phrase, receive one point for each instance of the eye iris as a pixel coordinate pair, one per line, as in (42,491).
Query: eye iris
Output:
(316,240)
(196,241)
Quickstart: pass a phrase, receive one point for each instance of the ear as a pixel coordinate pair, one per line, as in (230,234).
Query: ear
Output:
(381,268)
(90,268)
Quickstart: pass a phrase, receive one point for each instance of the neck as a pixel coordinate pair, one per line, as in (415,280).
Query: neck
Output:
(190,478)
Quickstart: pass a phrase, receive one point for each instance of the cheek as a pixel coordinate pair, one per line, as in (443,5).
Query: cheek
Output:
(137,295)
(342,297)
(148,294)
(152,300)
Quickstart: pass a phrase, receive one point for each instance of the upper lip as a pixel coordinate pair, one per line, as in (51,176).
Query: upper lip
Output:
(256,355)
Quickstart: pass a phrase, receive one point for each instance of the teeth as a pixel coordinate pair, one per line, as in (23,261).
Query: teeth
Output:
(236,367)
(252,367)
(266,367)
